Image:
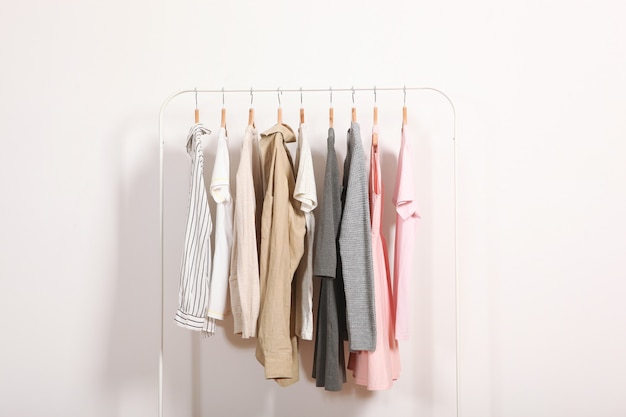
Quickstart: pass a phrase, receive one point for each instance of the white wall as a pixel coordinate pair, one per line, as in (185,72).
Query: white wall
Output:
(539,90)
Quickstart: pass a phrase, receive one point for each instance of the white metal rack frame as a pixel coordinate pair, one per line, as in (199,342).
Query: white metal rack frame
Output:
(330,90)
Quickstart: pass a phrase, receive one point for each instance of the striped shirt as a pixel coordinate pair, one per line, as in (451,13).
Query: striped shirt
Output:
(193,295)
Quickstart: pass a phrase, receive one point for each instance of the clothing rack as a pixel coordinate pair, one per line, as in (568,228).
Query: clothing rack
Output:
(329,90)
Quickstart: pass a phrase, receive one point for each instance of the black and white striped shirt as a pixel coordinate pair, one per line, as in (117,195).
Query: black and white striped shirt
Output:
(193,295)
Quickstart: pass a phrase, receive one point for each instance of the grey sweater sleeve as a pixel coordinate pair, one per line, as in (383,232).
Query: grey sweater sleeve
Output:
(355,247)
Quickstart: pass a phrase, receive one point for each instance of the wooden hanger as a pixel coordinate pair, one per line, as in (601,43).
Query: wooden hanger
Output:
(353,108)
(280,109)
(375,134)
(331,113)
(197,111)
(223,123)
(301,108)
(251,111)
(404,108)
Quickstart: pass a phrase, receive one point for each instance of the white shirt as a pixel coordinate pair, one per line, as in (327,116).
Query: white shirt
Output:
(306,194)
(193,295)
(220,191)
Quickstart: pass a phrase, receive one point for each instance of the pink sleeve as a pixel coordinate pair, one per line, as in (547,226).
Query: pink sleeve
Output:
(406,209)
(406,234)
(405,198)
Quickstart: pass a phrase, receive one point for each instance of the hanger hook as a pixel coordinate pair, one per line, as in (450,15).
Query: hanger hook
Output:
(196,94)
(222,96)
(278,93)
(300,96)
(404,91)
(251,97)
(352,94)
(331,95)
(374,94)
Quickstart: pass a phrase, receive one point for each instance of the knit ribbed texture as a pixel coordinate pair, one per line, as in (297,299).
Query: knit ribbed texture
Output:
(355,247)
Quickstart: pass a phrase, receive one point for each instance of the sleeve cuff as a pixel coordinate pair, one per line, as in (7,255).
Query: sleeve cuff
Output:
(407,209)
(199,324)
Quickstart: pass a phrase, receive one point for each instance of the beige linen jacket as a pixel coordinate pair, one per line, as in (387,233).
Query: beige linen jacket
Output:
(282,246)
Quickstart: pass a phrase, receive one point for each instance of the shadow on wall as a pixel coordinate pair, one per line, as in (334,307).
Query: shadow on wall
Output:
(130,377)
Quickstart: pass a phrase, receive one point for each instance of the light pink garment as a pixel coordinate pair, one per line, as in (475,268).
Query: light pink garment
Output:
(378,369)
(405,201)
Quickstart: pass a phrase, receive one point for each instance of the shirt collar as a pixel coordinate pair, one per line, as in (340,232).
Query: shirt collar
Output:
(286,131)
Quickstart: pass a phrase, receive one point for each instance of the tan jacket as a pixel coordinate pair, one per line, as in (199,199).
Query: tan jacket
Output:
(282,246)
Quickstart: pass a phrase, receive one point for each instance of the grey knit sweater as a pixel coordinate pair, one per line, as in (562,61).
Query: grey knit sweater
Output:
(355,247)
